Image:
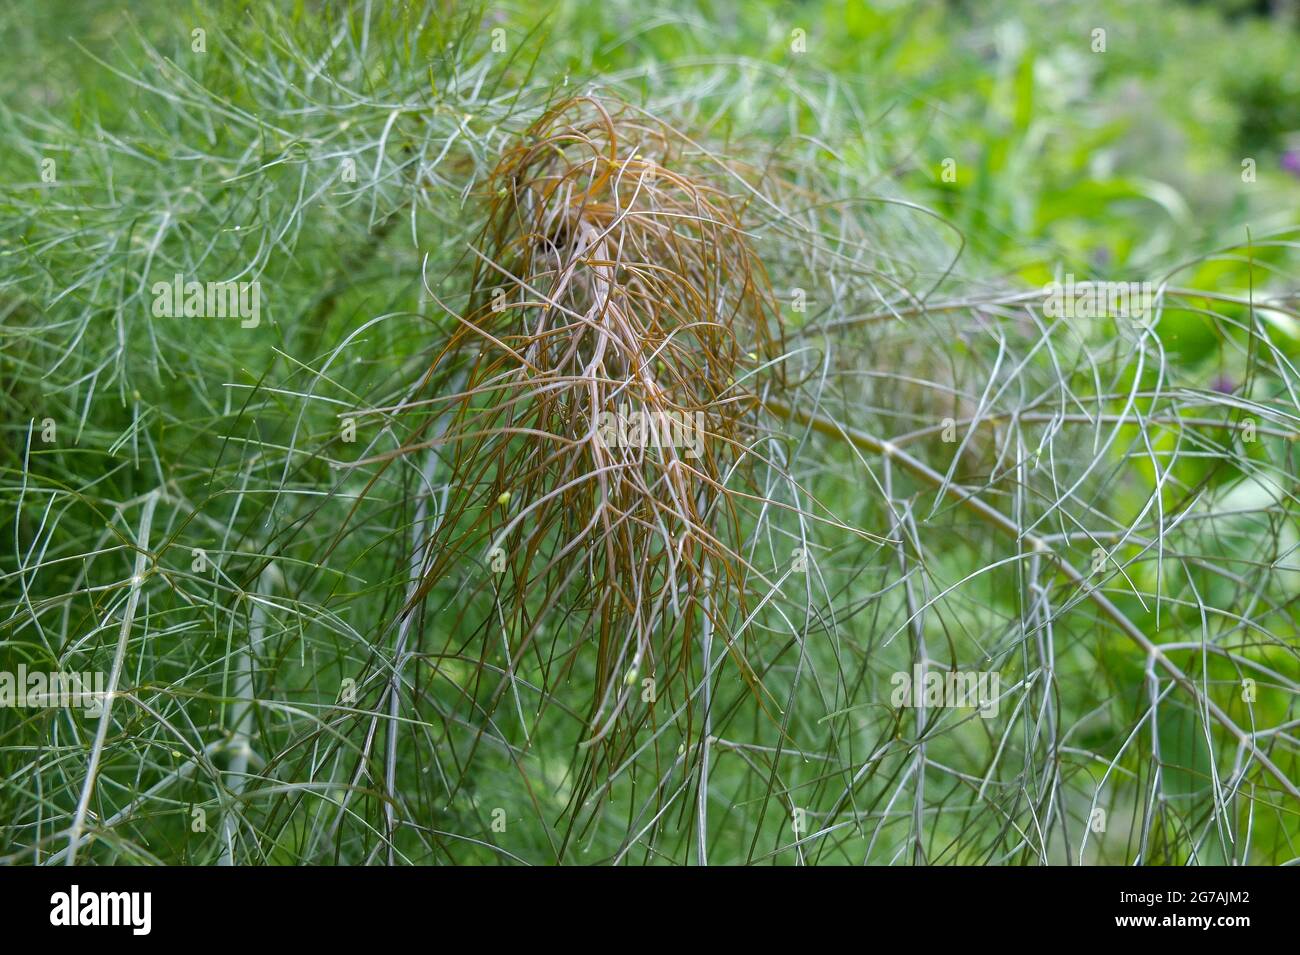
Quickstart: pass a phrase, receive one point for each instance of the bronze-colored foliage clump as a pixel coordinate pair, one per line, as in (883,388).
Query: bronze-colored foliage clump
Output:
(613,278)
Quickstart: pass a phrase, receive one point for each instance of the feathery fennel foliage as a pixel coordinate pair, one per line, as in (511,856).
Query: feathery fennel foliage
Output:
(366,588)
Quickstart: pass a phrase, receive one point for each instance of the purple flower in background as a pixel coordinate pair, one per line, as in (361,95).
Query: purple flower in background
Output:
(1291,162)
(1224,385)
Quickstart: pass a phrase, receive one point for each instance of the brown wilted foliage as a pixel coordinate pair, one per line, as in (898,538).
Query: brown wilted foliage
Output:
(613,277)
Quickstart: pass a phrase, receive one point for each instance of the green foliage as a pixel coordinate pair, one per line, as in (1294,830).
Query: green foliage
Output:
(234,520)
